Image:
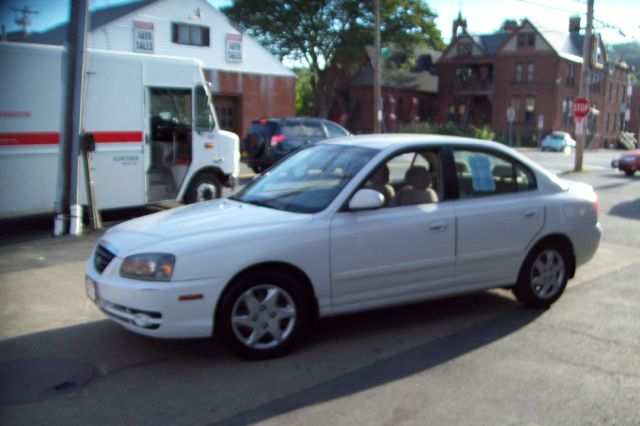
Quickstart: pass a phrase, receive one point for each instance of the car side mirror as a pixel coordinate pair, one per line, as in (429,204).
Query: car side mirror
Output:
(366,199)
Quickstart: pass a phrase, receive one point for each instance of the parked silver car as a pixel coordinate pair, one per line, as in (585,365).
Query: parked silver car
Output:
(342,226)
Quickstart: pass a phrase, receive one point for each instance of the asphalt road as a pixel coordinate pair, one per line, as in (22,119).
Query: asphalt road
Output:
(479,359)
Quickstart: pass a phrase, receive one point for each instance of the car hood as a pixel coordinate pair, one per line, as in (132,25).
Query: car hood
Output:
(218,218)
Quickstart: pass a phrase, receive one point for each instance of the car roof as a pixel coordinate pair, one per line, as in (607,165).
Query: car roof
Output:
(296,118)
(395,140)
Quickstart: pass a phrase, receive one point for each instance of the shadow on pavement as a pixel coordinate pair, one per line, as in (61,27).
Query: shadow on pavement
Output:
(420,358)
(627,209)
(340,357)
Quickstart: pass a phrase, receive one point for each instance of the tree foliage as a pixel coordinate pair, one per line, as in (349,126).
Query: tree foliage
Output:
(628,52)
(332,33)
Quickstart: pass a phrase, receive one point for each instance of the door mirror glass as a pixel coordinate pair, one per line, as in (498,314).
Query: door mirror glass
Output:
(366,199)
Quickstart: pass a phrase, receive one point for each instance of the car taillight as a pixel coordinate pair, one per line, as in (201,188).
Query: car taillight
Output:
(276,139)
(597,206)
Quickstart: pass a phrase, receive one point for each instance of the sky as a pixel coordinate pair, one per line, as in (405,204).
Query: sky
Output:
(482,16)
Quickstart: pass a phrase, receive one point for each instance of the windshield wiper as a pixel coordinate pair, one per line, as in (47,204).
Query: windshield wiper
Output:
(260,203)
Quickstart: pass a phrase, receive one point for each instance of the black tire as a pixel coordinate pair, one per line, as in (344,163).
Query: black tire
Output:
(543,276)
(256,169)
(629,172)
(205,186)
(279,317)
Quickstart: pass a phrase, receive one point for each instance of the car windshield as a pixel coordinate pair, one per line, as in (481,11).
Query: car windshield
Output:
(307,181)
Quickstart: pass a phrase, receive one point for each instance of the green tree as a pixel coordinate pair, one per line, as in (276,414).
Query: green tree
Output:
(304,93)
(329,36)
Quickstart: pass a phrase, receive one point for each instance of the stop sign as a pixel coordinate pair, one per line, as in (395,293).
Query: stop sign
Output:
(580,107)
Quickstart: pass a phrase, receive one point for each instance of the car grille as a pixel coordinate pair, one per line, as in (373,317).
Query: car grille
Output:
(152,320)
(102,258)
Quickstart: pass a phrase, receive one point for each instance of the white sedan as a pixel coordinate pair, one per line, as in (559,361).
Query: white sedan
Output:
(344,226)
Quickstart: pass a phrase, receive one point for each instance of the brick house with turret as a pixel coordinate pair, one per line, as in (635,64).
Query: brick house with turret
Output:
(536,71)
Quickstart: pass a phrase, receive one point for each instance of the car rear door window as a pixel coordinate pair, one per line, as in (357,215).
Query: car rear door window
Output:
(480,174)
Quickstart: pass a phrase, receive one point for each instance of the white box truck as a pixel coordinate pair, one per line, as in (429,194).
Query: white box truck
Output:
(152,119)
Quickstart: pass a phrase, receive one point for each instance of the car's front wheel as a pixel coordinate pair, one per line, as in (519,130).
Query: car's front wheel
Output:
(543,276)
(263,314)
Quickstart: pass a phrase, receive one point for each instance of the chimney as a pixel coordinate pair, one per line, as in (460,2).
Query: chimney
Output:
(574,24)
(510,25)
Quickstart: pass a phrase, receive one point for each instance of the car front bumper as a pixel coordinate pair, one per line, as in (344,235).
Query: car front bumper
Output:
(163,310)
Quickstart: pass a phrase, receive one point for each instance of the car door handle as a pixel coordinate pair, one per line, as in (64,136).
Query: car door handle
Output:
(531,214)
(438,227)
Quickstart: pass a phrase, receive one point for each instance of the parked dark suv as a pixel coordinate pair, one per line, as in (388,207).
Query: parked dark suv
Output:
(270,139)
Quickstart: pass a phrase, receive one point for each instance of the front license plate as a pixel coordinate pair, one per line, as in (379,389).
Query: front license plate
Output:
(91,288)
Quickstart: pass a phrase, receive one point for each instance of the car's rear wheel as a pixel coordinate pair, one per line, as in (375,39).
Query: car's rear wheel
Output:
(543,276)
(262,315)
(629,172)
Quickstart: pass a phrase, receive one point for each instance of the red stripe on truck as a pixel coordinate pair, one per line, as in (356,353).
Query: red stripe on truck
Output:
(53,138)
(114,137)
(44,138)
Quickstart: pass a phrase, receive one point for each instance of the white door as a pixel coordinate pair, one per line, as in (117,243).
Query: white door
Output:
(498,216)
(396,253)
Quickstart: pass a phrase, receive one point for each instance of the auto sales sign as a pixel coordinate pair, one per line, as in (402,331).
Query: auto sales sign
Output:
(143,37)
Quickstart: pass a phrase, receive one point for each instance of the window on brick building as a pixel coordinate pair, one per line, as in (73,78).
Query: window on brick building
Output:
(529,109)
(571,75)
(400,110)
(193,35)
(518,72)
(531,71)
(621,121)
(565,109)
(607,124)
(515,103)
(610,90)
(526,39)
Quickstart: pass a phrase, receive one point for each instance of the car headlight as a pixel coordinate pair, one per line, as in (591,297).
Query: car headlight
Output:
(148,266)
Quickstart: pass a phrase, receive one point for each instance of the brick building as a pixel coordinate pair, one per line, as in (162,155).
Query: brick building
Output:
(536,71)
(247,81)
(634,112)
(409,94)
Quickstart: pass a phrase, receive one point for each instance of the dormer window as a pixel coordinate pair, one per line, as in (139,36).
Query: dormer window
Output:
(526,40)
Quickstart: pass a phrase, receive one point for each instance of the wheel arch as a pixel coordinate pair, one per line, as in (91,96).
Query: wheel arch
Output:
(557,240)
(298,274)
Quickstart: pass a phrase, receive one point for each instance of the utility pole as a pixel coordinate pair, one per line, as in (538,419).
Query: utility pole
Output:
(24,20)
(73,72)
(585,81)
(377,109)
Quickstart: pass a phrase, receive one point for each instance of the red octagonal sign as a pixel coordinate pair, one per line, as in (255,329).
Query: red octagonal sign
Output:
(580,107)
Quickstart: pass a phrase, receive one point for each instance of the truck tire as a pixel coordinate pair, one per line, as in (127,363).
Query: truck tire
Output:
(204,187)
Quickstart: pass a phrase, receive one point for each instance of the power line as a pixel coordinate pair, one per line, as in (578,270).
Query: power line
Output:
(601,23)
(546,6)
